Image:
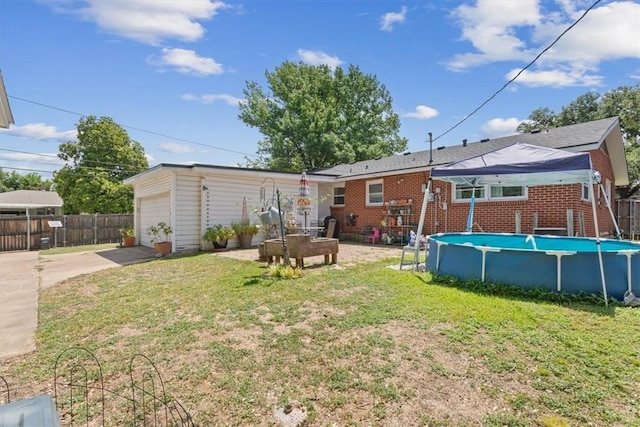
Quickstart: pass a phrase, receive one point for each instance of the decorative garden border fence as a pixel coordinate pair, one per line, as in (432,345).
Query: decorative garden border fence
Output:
(23,233)
(81,398)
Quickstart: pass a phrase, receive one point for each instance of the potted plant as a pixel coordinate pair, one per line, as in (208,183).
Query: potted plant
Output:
(160,237)
(128,236)
(245,231)
(218,235)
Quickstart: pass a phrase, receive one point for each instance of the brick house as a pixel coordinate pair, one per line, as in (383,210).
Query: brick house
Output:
(387,191)
(377,191)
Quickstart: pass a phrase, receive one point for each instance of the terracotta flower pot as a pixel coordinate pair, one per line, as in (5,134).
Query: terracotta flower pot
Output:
(128,242)
(163,248)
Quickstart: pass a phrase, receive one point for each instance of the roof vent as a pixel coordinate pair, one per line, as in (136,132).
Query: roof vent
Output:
(407,153)
(536,131)
(484,140)
(441,148)
(464,142)
(378,158)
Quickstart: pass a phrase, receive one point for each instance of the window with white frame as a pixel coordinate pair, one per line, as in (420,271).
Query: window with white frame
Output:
(463,192)
(607,189)
(586,194)
(375,193)
(508,192)
(338,196)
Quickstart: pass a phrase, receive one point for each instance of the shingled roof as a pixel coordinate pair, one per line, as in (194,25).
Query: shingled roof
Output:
(579,137)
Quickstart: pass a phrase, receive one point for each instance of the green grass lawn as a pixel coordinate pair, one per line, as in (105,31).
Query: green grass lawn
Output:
(362,345)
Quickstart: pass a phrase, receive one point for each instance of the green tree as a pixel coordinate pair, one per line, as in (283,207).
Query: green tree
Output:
(14,181)
(623,102)
(584,109)
(315,118)
(542,118)
(104,155)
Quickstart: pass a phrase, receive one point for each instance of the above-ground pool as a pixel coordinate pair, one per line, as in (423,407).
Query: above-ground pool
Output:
(568,264)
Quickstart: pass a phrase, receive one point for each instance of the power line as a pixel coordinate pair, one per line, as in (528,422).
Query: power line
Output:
(27,170)
(97,162)
(519,72)
(150,132)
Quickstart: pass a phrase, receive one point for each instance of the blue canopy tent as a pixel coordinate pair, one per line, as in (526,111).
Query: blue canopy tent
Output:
(521,164)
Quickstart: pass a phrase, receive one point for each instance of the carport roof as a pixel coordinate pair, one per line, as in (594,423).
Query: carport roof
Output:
(30,199)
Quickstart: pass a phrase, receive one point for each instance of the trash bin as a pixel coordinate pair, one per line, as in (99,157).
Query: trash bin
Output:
(44,243)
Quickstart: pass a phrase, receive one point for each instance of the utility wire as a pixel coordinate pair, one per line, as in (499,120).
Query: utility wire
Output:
(135,128)
(519,73)
(84,161)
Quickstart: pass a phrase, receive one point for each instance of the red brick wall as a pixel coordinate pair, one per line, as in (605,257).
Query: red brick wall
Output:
(550,202)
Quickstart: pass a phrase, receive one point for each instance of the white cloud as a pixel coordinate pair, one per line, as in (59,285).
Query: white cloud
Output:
(151,21)
(41,131)
(212,97)
(423,112)
(172,147)
(606,33)
(47,158)
(555,78)
(495,128)
(389,19)
(316,57)
(187,62)
(520,30)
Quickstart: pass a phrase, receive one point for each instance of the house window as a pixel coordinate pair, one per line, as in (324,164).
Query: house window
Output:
(338,196)
(508,192)
(375,194)
(464,192)
(607,189)
(586,194)
(490,192)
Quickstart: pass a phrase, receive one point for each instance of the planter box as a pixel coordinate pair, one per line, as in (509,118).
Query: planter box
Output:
(302,246)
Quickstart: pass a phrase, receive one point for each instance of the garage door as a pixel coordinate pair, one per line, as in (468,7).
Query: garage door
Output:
(152,211)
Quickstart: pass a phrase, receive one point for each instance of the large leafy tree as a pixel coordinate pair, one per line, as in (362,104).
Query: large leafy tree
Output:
(11,181)
(104,155)
(623,102)
(314,117)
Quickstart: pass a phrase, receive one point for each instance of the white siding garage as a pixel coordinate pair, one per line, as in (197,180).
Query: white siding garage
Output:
(153,210)
(191,198)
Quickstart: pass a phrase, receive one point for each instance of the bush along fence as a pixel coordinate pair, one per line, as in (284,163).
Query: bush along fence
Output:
(20,233)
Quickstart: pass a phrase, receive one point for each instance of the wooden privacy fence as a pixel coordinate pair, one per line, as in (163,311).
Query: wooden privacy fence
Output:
(19,233)
(629,218)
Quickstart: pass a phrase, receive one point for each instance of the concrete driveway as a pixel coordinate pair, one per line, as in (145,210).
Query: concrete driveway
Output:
(23,274)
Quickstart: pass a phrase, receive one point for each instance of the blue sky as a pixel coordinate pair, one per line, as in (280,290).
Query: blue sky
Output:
(172,72)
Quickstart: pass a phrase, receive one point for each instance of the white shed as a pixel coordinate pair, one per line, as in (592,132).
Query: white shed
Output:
(191,198)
